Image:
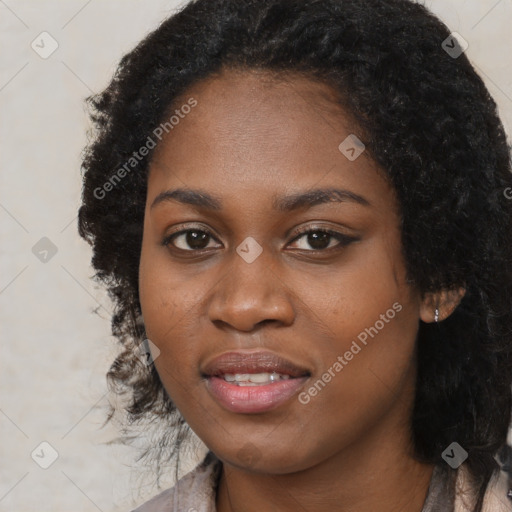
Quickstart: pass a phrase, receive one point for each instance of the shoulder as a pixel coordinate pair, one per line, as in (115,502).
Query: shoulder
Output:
(495,500)
(195,491)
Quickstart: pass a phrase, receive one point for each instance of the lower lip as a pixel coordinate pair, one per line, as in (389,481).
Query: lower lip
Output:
(251,399)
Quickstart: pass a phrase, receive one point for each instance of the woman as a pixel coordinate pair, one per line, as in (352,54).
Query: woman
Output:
(300,210)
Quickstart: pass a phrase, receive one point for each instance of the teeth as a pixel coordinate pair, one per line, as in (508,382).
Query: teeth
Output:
(260,377)
(254,379)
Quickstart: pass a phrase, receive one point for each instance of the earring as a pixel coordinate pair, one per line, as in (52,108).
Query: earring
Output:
(436,315)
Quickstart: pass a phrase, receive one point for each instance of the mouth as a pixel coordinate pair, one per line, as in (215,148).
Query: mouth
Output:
(254,379)
(252,382)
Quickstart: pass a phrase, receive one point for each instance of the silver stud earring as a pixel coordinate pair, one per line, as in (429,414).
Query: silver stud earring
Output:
(436,315)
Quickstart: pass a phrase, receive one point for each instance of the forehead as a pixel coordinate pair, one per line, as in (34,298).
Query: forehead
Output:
(251,130)
(263,89)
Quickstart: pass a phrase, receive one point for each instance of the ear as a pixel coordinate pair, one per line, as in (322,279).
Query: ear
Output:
(445,301)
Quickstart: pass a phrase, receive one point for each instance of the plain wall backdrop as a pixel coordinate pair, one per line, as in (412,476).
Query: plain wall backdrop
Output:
(55,350)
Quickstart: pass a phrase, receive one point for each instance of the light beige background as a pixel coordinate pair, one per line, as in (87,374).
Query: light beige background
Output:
(55,351)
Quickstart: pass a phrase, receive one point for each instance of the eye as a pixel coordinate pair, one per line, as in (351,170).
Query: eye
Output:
(190,240)
(308,239)
(322,239)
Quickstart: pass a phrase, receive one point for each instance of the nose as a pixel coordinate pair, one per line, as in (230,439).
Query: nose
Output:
(250,295)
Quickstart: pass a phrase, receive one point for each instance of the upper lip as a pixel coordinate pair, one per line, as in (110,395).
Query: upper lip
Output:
(252,362)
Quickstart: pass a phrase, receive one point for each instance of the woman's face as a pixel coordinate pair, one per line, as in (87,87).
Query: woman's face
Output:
(247,278)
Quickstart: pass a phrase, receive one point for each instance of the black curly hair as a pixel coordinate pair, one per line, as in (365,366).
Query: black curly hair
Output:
(426,119)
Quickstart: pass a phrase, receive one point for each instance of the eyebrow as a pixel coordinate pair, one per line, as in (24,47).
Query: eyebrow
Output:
(283,204)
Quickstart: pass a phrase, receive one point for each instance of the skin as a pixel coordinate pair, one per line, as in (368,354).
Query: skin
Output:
(251,139)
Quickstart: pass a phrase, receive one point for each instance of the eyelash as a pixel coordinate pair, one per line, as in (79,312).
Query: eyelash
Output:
(344,240)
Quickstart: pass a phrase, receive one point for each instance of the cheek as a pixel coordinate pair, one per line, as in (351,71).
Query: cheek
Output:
(368,288)
(171,307)
(164,300)
(369,316)
(366,372)
(361,383)
(159,304)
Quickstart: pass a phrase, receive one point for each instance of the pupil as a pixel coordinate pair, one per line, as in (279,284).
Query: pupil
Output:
(318,240)
(195,239)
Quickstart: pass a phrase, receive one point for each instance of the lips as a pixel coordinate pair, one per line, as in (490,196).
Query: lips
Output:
(251,363)
(221,372)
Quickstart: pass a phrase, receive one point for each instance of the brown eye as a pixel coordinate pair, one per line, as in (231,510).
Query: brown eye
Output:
(321,239)
(190,240)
